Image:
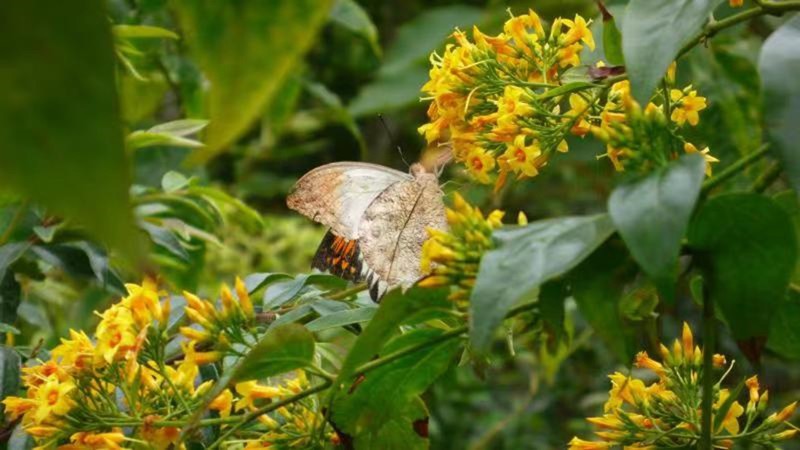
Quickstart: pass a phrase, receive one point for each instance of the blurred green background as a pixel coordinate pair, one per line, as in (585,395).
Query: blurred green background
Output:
(355,96)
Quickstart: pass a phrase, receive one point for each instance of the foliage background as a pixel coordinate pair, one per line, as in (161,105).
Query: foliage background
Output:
(368,61)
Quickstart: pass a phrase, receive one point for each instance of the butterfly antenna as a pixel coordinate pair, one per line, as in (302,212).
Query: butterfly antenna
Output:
(391,139)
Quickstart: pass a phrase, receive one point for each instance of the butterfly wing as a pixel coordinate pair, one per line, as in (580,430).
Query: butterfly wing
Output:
(338,194)
(393,230)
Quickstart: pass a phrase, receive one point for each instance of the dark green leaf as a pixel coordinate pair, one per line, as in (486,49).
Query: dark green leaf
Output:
(246,50)
(9,373)
(746,246)
(652,214)
(385,392)
(598,285)
(395,308)
(63,147)
(777,64)
(281,292)
(406,430)
(165,239)
(612,42)
(256,281)
(784,334)
(247,216)
(389,92)
(352,16)
(342,318)
(100,265)
(525,258)
(653,33)
(283,348)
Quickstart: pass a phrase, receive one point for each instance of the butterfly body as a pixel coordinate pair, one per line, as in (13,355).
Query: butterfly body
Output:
(377,218)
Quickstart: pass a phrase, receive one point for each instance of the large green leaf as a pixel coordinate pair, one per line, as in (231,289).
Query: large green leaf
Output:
(282,349)
(349,14)
(10,290)
(395,308)
(653,33)
(9,373)
(746,246)
(407,429)
(384,393)
(778,65)
(784,334)
(612,39)
(246,50)
(526,257)
(598,285)
(62,145)
(652,214)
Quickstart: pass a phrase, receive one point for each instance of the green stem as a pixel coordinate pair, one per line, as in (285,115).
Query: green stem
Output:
(734,168)
(712,28)
(343,294)
(709,332)
(253,415)
(767,178)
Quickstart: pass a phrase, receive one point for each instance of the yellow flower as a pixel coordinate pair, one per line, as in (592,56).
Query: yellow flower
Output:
(719,360)
(687,107)
(523,159)
(143,302)
(15,407)
(95,441)
(115,334)
(252,391)
(688,342)
(624,389)
(159,438)
(52,399)
(736,3)
(512,104)
(690,148)
(223,403)
(731,421)
(644,361)
(77,352)
(479,163)
(579,31)
(578,106)
(244,298)
(752,388)
(570,55)
(580,444)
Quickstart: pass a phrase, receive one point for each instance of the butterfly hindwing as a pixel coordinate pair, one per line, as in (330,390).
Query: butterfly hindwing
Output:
(343,258)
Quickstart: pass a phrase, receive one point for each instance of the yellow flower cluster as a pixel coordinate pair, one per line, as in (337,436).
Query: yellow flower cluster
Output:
(644,140)
(666,413)
(119,388)
(489,95)
(452,257)
(503,105)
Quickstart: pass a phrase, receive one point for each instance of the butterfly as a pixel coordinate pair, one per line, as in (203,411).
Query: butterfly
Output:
(377,219)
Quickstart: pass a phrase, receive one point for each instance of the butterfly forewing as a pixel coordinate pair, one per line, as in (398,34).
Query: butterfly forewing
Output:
(336,195)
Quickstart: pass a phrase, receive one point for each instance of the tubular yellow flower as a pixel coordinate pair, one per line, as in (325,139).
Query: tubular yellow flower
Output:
(719,360)
(736,3)
(52,399)
(524,159)
(730,422)
(687,106)
(480,163)
(100,441)
(580,444)
(688,147)
(244,298)
(251,391)
(644,361)
(451,258)
(688,342)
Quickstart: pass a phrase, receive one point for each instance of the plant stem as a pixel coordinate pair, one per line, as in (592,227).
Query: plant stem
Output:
(734,168)
(343,294)
(763,8)
(709,332)
(767,178)
(253,415)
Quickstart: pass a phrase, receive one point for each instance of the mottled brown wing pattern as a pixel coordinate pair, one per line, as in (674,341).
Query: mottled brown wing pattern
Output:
(340,257)
(394,226)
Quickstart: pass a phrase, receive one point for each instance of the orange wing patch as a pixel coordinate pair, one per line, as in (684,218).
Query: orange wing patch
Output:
(339,256)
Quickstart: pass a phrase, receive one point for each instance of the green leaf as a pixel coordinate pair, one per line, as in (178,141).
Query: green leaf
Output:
(653,33)
(784,334)
(779,60)
(6,328)
(342,318)
(246,50)
(142,31)
(404,71)
(406,430)
(247,216)
(256,281)
(652,215)
(10,290)
(65,149)
(598,285)
(387,391)
(746,247)
(173,181)
(165,239)
(9,373)
(283,348)
(526,257)
(352,16)
(395,308)
(612,41)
